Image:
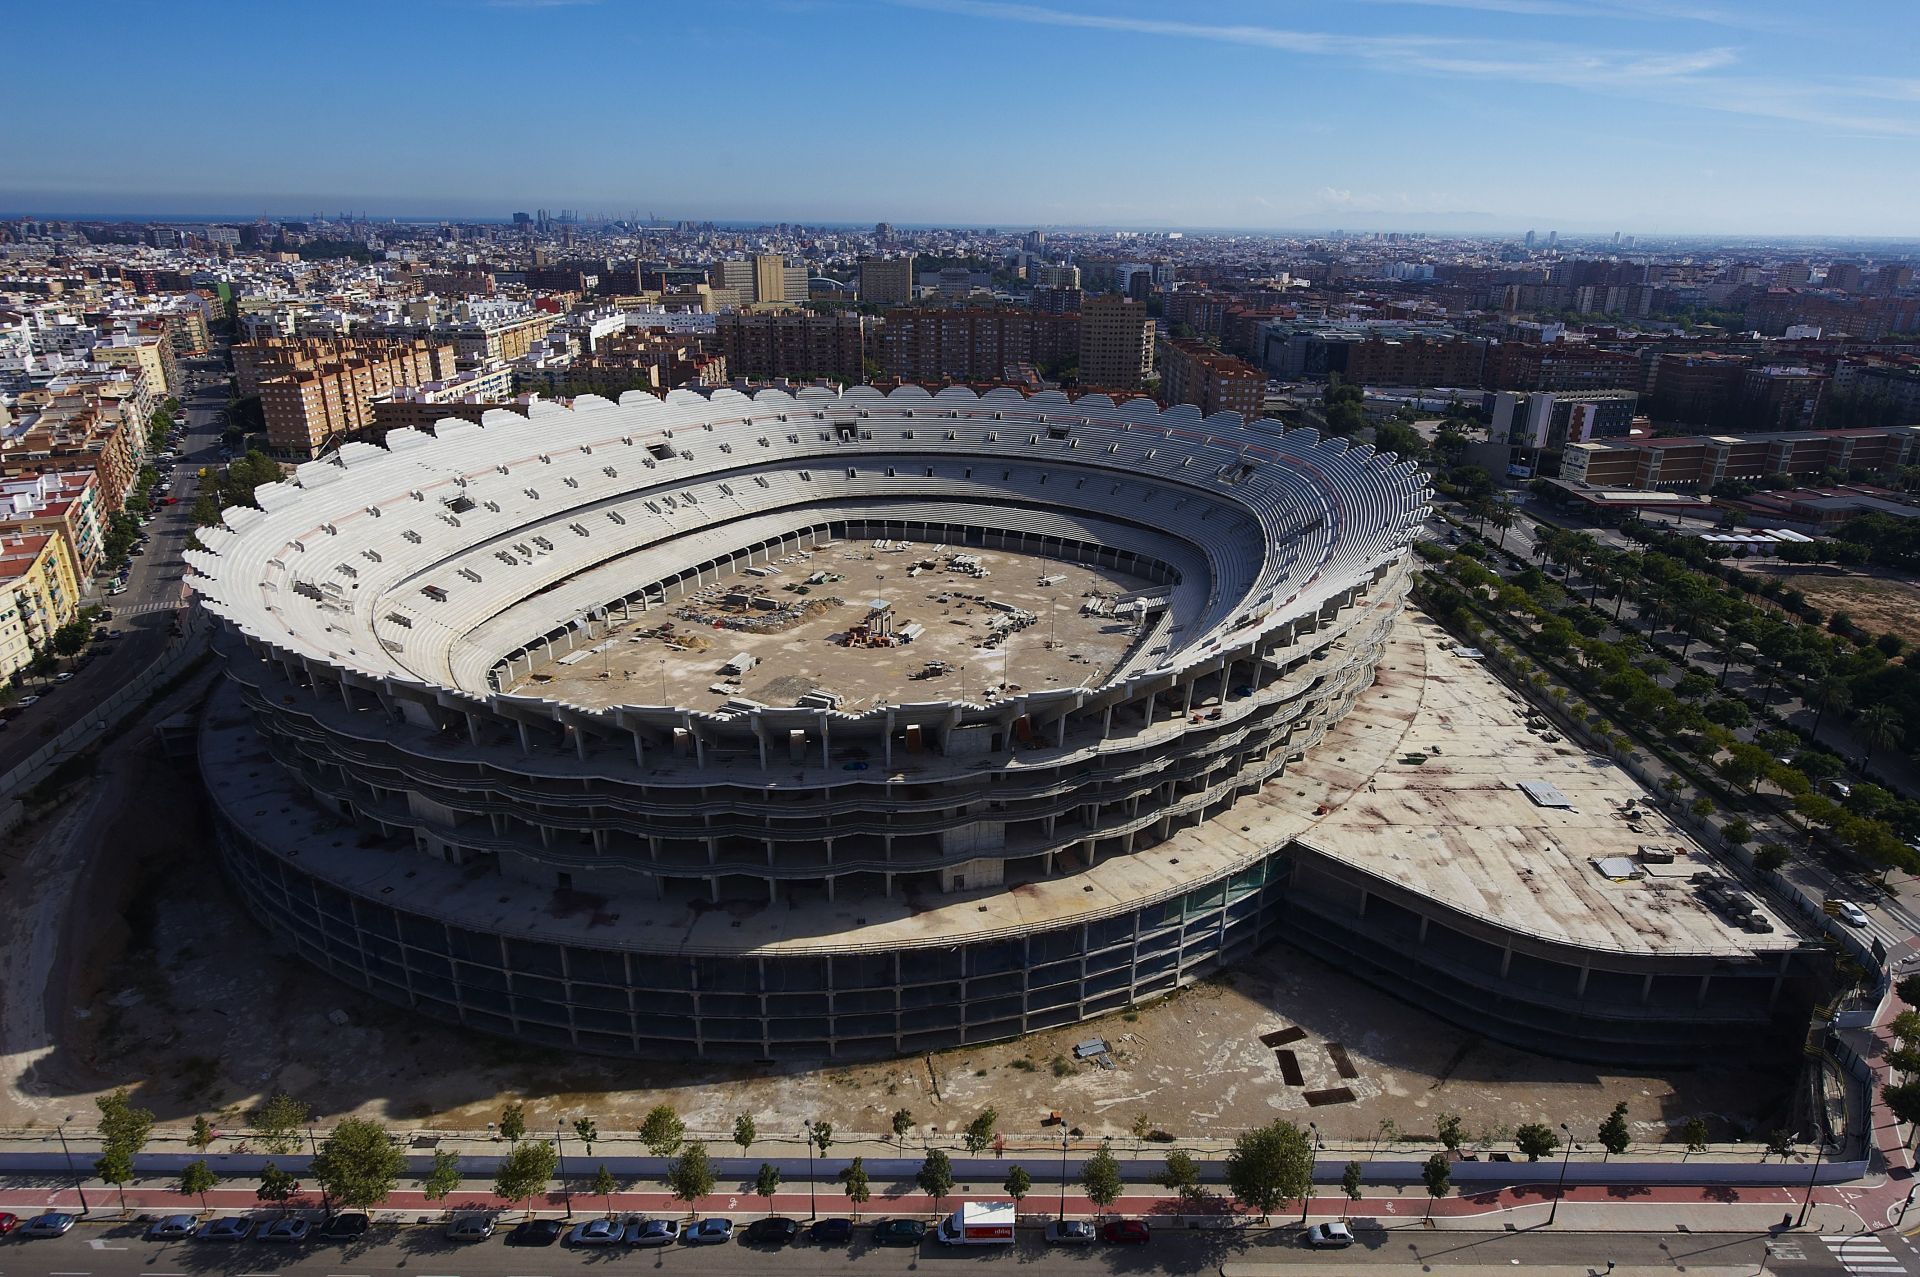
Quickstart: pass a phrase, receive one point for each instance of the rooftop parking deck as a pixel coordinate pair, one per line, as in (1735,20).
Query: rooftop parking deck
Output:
(1453,828)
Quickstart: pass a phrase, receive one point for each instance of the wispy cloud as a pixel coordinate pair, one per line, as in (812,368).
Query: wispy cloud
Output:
(1695,78)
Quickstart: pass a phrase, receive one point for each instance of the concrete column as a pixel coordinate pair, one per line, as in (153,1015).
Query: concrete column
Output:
(1646,989)
(886,749)
(1580,989)
(526,744)
(1701,997)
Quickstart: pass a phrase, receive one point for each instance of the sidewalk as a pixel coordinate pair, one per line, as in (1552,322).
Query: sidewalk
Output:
(1583,1209)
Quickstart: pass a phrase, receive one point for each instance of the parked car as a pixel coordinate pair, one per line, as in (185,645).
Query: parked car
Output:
(52,1224)
(345,1226)
(653,1232)
(597,1232)
(1328,1236)
(899,1232)
(708,1232)
(63,676)
(171,1228)
(775,1230)
(1126,1232)
(535,1232)
(228,1228)
(25,701)
(831,1232)
(1069,1232)
(291,1229)
(8,1222)
(470,1228)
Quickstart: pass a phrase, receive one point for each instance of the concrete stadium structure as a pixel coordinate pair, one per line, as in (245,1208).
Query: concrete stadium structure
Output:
(757,879)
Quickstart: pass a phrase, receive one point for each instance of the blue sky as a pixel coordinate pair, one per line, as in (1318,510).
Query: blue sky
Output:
(1732,116)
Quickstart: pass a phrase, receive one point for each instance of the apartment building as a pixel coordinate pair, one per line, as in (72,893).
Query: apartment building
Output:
(1704,460)
(778,279)
(1782,397)
(1116,343)
(312,403)
(1699,387)
(1192,372)
(1523,365)
(148,354)
(795,344)
(73,431)
(887,281)
(478,342)
(65,504)
(972,343)
(39,593)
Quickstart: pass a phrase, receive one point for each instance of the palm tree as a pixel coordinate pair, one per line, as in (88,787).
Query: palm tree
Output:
(1831,692)
(1880,725)
(1503,519)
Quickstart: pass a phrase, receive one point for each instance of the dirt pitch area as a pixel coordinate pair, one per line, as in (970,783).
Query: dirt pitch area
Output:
(1879,604)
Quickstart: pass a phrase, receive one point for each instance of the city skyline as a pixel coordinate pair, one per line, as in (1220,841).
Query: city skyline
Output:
(1633,115)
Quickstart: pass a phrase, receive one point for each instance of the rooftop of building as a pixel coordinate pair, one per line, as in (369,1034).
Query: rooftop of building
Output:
(1452,826)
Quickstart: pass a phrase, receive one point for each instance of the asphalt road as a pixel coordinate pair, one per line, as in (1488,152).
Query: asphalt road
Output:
(119,1251)
(143,613)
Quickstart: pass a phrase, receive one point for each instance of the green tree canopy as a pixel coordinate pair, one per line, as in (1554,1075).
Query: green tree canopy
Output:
(1270,1165)
(443,1177)
(603,1185)
(276,1124)
(197,1179)
(513,1121)
(744,1132)
(1100,1177)
(980,1131)
(662,1131)
(691,1177)
(767,1182)
(858,1188)
(358,1164)
(1536,1140)
(276,1186)
(1437,1174)
(1614,1134)
(1018,1183)
(935,1176)
(527,1169)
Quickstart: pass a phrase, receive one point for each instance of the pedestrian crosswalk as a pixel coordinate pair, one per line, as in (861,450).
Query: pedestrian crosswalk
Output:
(141,609)
(1865,1255)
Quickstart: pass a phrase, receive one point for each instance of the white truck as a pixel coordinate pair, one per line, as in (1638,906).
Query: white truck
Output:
(978,1224)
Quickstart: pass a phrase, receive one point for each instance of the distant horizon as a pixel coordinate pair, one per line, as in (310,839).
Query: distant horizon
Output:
(1668,119)
(375,217)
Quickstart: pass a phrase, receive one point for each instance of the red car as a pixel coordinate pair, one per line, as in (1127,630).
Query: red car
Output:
(8,1222)
(173,500)
(1126,1232)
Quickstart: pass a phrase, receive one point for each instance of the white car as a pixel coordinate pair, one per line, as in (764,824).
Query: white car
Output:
(1328,1237)
(1850,913)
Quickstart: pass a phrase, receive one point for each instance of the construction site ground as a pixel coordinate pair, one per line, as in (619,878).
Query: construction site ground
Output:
(658,658)
(1878,601)
(127,961)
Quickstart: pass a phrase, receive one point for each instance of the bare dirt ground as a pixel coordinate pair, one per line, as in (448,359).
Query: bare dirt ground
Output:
(631,662)
(180,996)
(1878,603)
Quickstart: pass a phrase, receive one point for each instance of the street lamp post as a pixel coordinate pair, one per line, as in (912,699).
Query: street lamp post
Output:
(1065,1139)
(78,1186)
(1313,1158)
(1819,1149)
(561,1149)
(326,1199)
(813,1207)
(1561,1191)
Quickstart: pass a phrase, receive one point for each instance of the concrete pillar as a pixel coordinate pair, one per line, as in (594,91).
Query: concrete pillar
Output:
(526,744)
(1705,980)
(1580,989)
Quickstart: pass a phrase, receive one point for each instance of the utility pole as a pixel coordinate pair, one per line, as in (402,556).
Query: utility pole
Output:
(1561,1190)
(78,1186)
